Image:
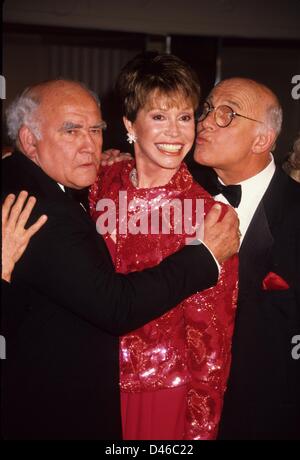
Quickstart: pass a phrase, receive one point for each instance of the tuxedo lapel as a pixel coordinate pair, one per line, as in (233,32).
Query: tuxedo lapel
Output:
(256,248)
(255,251)
(28,176)
(39,184)
(258,241)
(262,399)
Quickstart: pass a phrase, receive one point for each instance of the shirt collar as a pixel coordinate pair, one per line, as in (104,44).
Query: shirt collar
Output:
(256,185)
(61,186)
(262,178)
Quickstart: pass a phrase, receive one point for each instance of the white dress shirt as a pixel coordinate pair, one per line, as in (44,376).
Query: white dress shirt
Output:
(253,190)
(62,187)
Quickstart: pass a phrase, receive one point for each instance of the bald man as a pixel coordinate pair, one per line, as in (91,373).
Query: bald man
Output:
(61,376)
(237,131)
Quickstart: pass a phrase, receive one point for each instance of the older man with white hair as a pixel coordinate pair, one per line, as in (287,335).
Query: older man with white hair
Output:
(237,130)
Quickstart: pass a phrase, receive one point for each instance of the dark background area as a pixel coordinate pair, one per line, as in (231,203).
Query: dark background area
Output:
(40,44)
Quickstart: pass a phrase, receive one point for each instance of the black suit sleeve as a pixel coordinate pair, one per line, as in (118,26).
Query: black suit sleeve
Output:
(67,261)
(14,305)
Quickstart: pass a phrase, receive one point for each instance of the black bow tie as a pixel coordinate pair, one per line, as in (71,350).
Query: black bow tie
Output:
(208,179)
(81,196)
(233,193)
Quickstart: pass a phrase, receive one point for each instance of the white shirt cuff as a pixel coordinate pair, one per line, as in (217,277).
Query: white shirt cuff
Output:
(198,241)
(218,265)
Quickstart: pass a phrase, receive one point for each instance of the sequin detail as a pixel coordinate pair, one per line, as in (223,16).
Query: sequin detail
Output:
(190,345)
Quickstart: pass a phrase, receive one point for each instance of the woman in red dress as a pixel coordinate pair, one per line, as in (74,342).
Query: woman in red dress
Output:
(173,371)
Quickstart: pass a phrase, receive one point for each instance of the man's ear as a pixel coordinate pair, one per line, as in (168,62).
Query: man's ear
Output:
(264,141)
(27,141)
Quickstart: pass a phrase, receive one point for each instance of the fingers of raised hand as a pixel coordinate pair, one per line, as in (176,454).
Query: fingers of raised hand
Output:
(14,208)
(36,226)
(6,207)
(24,215)
(16,212)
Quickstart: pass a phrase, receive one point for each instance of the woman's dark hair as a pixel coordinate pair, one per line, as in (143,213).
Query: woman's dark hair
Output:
(148,73)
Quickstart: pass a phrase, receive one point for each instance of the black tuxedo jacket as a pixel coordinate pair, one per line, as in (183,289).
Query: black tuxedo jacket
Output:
(262,400)
(60,377)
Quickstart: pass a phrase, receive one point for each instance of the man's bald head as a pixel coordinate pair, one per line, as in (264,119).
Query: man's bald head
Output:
(241,149)
(24,110)
(260,98)
(55,88)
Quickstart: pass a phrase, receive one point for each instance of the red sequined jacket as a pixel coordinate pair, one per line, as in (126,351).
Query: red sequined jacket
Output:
(190,344)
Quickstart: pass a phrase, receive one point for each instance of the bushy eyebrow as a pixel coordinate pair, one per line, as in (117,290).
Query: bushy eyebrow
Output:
(98,125)
(71,125)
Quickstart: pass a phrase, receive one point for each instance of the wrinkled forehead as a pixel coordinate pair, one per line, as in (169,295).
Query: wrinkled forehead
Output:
(159,99)
(240,97)
(68,97)
(61,105)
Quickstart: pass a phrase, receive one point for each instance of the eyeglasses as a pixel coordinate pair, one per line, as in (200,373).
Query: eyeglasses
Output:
(223,114)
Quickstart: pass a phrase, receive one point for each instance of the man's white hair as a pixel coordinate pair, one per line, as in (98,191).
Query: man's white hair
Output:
(21,112)
(274,118)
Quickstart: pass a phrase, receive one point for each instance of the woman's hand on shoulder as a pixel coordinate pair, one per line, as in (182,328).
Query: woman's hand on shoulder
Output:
(111,156)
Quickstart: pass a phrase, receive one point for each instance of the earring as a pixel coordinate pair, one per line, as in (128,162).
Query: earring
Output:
(131,138)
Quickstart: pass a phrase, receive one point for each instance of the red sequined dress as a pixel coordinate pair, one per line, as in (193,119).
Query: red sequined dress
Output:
(173,370)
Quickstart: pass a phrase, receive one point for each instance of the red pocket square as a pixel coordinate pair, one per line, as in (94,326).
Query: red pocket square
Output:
(274,282)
